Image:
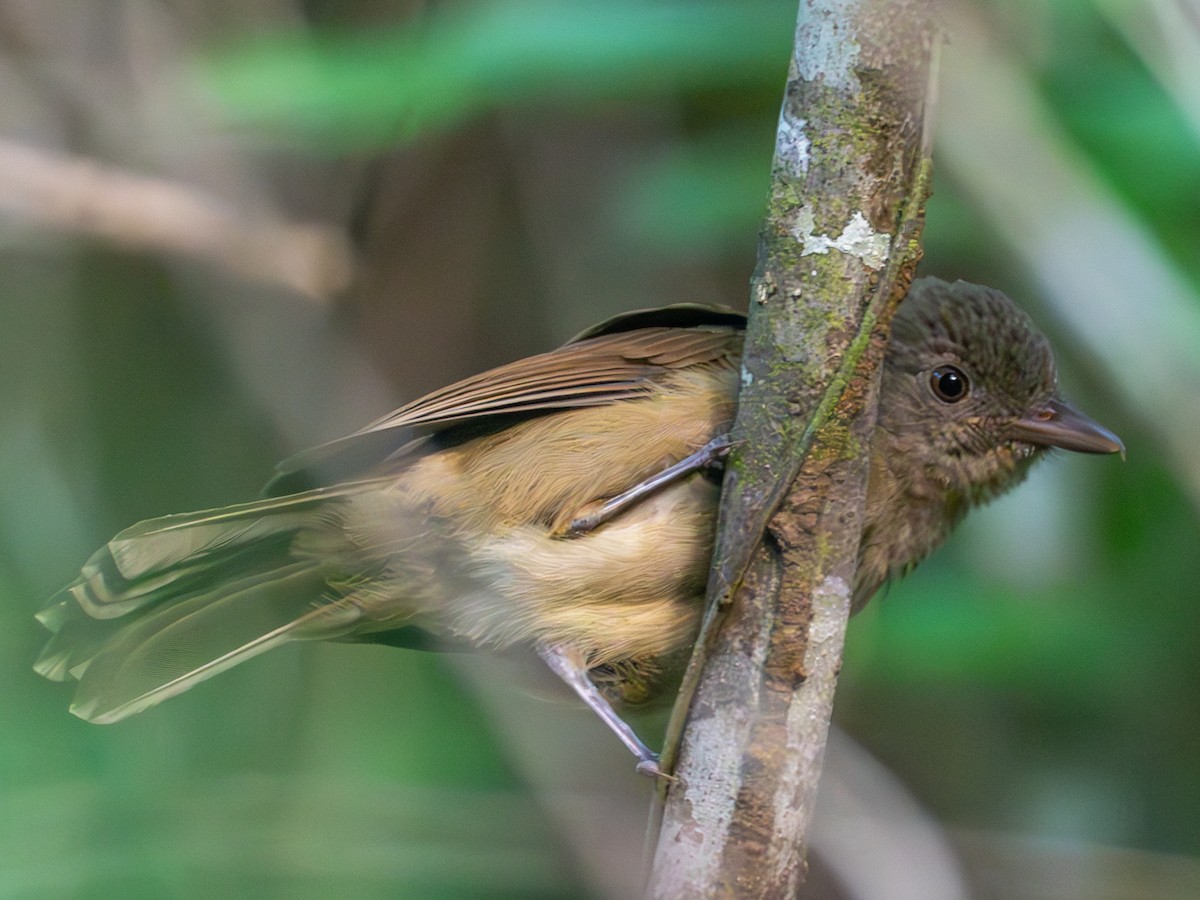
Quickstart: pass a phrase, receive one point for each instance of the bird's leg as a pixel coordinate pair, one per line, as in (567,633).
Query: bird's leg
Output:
(567,665)
(712,452)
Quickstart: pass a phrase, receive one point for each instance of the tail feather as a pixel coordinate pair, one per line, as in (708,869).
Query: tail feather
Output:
(81,639)
(140,562)
(202,637)
(171,602)
(157,543)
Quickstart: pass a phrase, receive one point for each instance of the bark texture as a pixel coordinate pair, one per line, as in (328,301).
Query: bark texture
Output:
(837,253)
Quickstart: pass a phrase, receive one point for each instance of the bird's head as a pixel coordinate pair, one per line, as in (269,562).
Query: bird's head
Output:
(969,395)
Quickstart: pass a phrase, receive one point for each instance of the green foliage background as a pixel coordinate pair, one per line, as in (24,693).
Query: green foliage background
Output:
(1038,677)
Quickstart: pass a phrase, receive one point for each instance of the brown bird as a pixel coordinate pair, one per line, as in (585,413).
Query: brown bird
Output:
(561,502)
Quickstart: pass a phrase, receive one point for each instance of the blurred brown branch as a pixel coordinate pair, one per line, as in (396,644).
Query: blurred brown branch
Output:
(76,194)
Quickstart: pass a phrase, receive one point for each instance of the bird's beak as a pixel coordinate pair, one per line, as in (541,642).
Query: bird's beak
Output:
(1058,424)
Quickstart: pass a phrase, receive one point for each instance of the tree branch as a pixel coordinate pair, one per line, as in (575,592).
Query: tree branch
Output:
(838,249)
(76,194)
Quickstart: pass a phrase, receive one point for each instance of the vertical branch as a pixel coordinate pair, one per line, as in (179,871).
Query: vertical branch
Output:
(838,248)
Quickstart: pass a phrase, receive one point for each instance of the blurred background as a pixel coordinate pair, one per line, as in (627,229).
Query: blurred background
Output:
(230,230)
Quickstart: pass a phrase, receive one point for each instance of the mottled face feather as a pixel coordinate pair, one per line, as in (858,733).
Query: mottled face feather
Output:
(963,364)
(980,330)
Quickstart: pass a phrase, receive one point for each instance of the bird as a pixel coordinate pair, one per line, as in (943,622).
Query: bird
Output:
(563,503)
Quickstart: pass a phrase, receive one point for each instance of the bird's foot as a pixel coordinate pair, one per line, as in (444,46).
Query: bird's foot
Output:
(601,512)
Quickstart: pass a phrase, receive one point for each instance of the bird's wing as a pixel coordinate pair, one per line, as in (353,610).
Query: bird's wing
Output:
(617,360)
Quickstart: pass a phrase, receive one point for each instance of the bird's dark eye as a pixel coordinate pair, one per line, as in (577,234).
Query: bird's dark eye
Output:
(949,383)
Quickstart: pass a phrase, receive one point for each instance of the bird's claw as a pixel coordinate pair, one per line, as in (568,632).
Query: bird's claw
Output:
(584,524)
(650,768)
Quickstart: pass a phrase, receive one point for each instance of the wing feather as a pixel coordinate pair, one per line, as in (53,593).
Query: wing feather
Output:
(598,369)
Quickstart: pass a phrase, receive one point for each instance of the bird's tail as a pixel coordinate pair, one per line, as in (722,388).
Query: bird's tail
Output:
(170,602)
